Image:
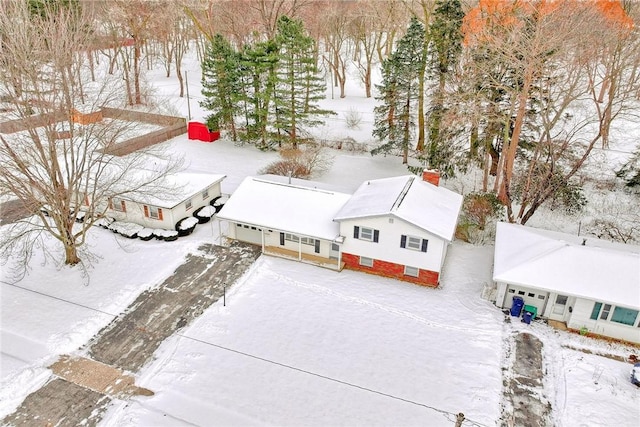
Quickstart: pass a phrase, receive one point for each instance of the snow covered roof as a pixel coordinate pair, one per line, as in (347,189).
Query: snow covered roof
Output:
(432,208)
(182,186)
(559,262)
(298,209)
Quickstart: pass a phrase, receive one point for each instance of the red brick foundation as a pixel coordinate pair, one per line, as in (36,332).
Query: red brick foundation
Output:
(392,270)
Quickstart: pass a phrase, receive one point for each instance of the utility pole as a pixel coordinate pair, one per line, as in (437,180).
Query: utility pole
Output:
(186,82)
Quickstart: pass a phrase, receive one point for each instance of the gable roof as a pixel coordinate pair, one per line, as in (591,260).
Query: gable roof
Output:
(558,262)
(429,207)
(176,188)
(302,210)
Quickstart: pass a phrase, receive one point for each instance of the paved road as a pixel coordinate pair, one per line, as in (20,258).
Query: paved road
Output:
(130,340)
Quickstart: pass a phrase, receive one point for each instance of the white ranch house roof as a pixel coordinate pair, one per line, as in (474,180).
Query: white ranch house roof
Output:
(180,186)
(301,210)
(559,262)
(429,207)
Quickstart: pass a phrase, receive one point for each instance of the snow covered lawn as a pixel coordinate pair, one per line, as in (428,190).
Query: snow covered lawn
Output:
(301,345)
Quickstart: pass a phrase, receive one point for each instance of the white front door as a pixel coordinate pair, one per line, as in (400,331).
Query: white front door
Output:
(335,251)
(559,308)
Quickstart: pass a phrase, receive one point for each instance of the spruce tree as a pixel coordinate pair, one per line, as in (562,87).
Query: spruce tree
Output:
(299,85)
(444,52)
(258,63)
(220,84)
(394,119)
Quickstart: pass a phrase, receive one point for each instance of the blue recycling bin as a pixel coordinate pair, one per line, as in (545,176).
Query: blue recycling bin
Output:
(516,306)
(526,317)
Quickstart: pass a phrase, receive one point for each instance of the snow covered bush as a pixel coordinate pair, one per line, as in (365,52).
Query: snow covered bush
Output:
(126,229)
(145,234)
(166,235)
(185,226)
(204,213)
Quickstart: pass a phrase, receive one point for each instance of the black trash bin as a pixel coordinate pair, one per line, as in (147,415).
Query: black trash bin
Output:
(516,306)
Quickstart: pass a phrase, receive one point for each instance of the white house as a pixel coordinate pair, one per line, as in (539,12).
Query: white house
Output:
(286,219)
(191,191)
(396,227)
(590,284)
(399,227)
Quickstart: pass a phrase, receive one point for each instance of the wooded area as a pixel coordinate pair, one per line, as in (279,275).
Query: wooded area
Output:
(522,90)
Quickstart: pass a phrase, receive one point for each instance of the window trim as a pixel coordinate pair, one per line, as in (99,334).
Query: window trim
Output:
(117,204)
(188,204)
(358,234)
(148,212)
(205,194)
(406,273)
(414,243)
(366,259)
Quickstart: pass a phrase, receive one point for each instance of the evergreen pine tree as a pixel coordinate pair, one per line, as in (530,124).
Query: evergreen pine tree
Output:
(444,52)
(220,84)
(299,85)
(259,63)
(398,91)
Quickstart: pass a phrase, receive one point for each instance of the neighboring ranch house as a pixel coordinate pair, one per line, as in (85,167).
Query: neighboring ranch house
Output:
(395,227)
(192,191)
(590,284)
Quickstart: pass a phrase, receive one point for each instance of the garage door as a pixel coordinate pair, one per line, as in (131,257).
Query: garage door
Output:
(530,296)
(247,233)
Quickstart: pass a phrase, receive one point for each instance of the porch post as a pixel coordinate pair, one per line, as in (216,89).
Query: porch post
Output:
(299,248)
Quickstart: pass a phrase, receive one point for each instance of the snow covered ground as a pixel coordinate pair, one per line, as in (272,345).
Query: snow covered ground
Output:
(297,344)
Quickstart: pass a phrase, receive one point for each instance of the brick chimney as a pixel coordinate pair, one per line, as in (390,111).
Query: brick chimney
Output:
(431,176)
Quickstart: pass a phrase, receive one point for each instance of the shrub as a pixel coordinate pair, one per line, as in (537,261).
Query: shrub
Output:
(145,234)
(126,229)
(480,211)
(203,214)
(353,119)
(166,235)
(300,163)
(185,226)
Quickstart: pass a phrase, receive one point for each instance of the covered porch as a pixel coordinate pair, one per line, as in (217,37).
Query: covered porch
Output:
(317,260)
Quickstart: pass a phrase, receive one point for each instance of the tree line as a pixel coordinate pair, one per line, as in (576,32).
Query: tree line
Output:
(522,90)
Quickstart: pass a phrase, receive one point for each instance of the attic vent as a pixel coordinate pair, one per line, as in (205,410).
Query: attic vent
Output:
(390,220)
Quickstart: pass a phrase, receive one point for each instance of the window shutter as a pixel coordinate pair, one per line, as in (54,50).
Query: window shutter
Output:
(281,239)
(376,235)
(425,242)
(356,231)
(86,199)
(403,241)
(110,204)
(317,248)
(146,211)
(160,214)
(124,206)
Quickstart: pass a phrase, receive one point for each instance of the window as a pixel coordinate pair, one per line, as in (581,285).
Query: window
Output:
(626,316)
(117,204)
(153,212)
(364,233)
(561,299)
(512,291)
(304,240)
(411,271)
(605,312)
(367,262)
(205,194)
(540,296)
(531,295)
(414,243)
(520,292)
(188,204)
(596,310)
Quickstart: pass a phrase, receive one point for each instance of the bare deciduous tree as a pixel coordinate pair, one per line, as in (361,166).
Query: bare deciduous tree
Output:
(56,166)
